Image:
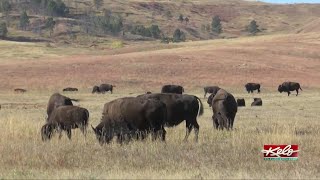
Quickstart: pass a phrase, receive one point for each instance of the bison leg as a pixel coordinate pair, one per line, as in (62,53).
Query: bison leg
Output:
(69,133)
(83,129)
(259,90)
(297,92)
(205,93)
(188,130)
(288,93)
(215,122)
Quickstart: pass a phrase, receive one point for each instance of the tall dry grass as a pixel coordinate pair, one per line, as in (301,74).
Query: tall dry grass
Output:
(218,154)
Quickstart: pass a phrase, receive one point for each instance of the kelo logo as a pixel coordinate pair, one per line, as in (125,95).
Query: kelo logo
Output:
(280,152)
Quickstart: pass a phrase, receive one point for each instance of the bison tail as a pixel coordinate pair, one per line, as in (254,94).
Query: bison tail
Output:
(300,88)
(200,112)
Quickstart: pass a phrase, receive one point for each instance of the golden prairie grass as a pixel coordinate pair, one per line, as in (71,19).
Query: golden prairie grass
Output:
(218,154)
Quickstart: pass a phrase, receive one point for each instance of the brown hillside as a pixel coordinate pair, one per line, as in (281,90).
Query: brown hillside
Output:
(269,60)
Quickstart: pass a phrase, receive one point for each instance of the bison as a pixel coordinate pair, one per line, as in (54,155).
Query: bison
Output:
(289,86)
(65,118)
(95,89)
(224,107)
(210,90)
(179,108)
(103,88)
(19,90)
(256,102)
(57,100)
(241,102)
(250,87)
(172,89)
(70,89)
(129,116)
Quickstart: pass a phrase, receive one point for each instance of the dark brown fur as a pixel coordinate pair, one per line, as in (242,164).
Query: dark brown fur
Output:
(241,102)
(65,118)
(224,107)
(57,100)
(250,87)
(172,89)
(210,90)
(70,89)
(256,102)
(180,108)
(18,90)
(289,86)
(130,116)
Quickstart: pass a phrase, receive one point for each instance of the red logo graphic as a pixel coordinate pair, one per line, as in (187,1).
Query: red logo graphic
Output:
(280,152)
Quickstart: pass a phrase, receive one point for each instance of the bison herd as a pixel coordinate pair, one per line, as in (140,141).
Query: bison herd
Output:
(136,117)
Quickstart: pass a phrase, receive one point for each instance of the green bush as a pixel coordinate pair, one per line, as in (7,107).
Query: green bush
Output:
(3,30)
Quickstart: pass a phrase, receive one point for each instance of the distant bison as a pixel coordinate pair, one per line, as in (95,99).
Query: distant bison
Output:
(65,118)
(256,102)
(289,86)
(18,90)
(224,107)
(148,92)
(241,102)
(57,100)
(250,87)
(131,116)
(180,107)
(95,89)
(103,88)
(210,90)
(172,89)
(70,89)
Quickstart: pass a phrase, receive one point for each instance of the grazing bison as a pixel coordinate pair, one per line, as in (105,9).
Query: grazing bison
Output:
(103,88)
(224,108)
(95,89)
(148,92)
(130,116)
(250,87)
(210,90)
(241,102)
(289,86)
(172,89)
(180,108)
(256,102)
(57,100)
(18,90)
(70,89)
(65,118)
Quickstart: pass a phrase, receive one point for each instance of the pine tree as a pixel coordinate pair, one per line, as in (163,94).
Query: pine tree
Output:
(3,30)
(50,23)
(253,27)
(24,20)
(216,25)
(178,36)
(98,3)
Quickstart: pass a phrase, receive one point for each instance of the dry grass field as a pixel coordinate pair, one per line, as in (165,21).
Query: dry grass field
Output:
(235,154)
(135,69)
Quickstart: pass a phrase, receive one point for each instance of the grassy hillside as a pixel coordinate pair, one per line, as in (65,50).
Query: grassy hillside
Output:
(235,15)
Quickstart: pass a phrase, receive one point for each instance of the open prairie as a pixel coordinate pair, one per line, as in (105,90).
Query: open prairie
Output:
(229,63)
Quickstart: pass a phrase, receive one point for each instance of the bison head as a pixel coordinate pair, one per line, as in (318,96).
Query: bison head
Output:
(95,89)
(46,132)
(101,135)
(210,98)
(280,89)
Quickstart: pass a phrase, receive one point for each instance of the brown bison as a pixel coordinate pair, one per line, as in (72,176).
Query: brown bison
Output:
(57,100)
(250,87)
(289,86)
(210,90)
(130,116)
(224,108)
(241,102)
(256,102)
(148,92)
(103,88)
(65,118)
(172,89)
(95,89)
(18,90)
(70,89)
(180,108)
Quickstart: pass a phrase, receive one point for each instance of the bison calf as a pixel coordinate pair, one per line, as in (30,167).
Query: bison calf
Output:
(70,89)
(250,87)
(65,118)
(256,102)
(57,100)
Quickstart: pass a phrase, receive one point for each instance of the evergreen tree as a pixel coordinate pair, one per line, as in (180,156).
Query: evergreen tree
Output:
(155,31)
(98,3)
(178,36)
(5,6)
(50,23)
(3,30)
(216,25)
(24,20)
(253,27)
